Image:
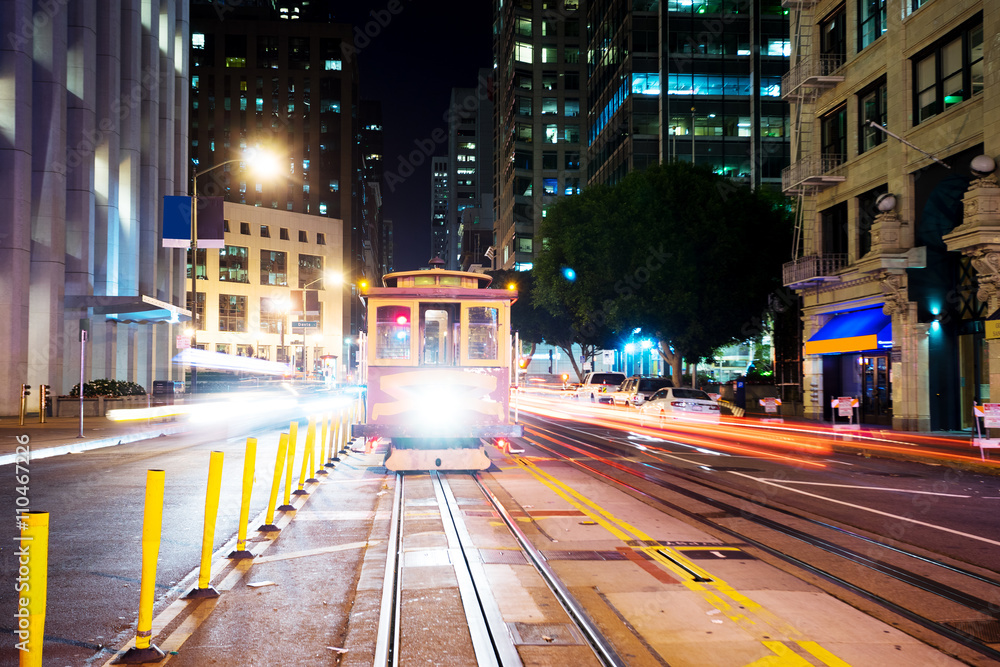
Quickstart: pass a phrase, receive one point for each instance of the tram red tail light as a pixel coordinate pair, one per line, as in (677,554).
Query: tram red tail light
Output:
(401,319)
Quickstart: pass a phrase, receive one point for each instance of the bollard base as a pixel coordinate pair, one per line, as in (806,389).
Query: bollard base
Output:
(286,508)
(201,593)
(312,480)
(240,554)
(268,528)
(335,458)
(138,656)
(321,471)
(300,492)
(329,464)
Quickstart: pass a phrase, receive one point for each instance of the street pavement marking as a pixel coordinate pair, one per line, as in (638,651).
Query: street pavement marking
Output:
(823,655)
(869,509)
(862,486)
(749,615)
(314,552)
(783,657)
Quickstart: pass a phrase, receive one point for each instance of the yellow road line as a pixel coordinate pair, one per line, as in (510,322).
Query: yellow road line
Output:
(747,613)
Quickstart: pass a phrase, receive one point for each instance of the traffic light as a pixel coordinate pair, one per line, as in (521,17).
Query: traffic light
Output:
(522,362)
(25,390)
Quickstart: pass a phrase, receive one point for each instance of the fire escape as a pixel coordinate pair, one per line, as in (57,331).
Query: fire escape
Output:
(812,72)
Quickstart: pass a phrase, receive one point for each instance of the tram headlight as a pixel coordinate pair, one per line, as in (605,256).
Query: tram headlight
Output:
(438,405)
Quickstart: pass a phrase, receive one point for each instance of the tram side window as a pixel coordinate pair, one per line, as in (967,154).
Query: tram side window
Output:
(392,332)
(438,343)
(483,322)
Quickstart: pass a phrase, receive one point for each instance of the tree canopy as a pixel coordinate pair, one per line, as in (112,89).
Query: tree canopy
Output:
(685,254)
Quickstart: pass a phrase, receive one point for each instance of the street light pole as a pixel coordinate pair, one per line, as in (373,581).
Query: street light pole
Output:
(194,252)
(194,274)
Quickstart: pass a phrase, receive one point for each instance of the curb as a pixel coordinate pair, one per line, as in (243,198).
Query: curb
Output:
(86,445)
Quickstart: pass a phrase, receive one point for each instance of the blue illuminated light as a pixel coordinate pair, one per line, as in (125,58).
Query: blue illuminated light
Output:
(569,274)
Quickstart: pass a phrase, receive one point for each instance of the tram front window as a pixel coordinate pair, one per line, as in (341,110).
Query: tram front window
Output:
(392,332)
(483,324)
(438,341)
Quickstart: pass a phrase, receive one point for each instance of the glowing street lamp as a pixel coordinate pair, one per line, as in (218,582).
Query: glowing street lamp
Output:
(263,163)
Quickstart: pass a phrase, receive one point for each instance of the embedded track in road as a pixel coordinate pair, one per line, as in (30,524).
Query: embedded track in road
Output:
(945,603)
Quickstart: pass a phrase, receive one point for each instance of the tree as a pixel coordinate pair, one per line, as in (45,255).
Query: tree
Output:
(675,249)
(539,324)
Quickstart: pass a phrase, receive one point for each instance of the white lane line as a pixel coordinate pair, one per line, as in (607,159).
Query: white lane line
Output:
(868,488)
(869,509)
(314,552)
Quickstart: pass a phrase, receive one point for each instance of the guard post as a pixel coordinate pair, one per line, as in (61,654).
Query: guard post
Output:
(205,588)
(33,572)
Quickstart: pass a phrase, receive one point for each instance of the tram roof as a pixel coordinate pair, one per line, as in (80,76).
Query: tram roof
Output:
(393,279)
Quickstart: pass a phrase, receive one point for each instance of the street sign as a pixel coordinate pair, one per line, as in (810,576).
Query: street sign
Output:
(991,418)
(305,325)
(183,342)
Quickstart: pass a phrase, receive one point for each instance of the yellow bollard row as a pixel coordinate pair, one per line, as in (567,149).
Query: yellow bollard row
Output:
(33,551)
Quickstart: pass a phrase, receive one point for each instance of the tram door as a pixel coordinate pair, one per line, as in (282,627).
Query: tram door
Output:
(875,390)
(439,335)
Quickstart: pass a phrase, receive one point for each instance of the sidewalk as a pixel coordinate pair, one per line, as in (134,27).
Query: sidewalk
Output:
(61,435)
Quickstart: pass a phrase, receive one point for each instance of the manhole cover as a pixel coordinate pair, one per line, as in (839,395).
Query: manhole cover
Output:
(543,634)
(987,632)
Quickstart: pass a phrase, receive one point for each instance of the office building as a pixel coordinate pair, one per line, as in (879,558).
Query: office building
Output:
(692,80)
(260,78)
(470,169)
(94,124)
(897,218)
(270,293)
(540,90)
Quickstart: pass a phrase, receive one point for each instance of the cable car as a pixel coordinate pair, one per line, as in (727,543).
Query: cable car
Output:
(438,365)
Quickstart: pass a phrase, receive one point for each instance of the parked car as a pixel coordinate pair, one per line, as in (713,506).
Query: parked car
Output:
(637,389)
(680,403)
(597,387)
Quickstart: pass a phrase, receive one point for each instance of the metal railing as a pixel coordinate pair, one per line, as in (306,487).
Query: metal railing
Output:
(812,71)
(820,167)
(812,268)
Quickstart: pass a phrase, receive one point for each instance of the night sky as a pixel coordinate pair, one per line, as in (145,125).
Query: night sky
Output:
(411,65)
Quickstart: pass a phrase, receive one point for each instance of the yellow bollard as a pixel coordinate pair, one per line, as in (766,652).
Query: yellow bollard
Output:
(335,437)
(279,465)
(32,585)
(152,523)
(249,464)
(307,455)
(205,588)
(293,434)
(321,469)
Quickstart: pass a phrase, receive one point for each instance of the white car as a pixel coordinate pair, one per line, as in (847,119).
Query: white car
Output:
(680,403)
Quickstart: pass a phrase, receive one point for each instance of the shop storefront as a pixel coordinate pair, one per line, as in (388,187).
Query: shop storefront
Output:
(855,349)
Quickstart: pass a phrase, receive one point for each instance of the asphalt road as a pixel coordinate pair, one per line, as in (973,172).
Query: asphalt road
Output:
(96,503)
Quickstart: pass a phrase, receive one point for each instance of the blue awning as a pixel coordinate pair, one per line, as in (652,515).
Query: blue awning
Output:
(853,331)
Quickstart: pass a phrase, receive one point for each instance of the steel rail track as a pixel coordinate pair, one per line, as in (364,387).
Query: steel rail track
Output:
(975,603)
(491,639)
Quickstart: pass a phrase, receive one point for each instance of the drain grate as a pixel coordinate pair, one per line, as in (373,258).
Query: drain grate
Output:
(987,631)
(583,554)
(544,634)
